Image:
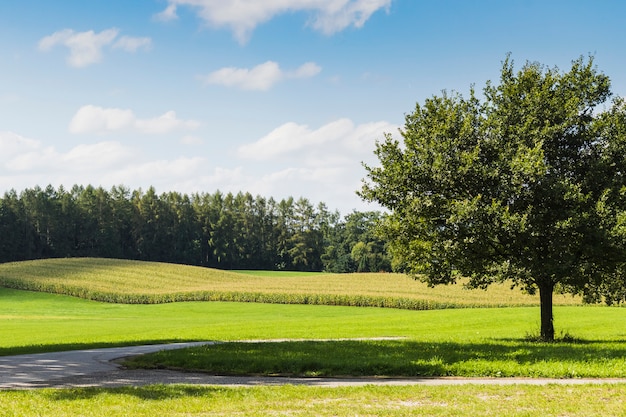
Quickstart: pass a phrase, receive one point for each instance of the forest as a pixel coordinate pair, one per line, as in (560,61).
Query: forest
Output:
(225,231)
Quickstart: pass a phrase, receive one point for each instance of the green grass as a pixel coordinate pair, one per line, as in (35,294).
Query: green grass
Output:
(471,341)
(37,321)
(177,400)
(445,342)
(121,281)
(410,358)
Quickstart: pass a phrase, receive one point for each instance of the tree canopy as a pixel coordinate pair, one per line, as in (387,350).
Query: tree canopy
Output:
(525,183)
(226,231)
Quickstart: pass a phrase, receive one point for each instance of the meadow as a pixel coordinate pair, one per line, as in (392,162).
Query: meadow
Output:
(468,341)
(462,342)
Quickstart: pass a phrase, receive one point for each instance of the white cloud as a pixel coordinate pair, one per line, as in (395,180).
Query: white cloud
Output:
(97,156)
(336,186)
(307,70)
(89,119)
(130,44)
(168,14)
(322,164)
(165,123)
(27,156)
(86,47)
(338,138)
(243,16)
(337,16)
(94,119)
(26,162)
(261,78)
(13,144)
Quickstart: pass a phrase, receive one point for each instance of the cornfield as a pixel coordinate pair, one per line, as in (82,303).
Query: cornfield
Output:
(136,282)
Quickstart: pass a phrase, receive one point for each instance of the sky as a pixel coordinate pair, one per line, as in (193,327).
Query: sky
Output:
(277,98)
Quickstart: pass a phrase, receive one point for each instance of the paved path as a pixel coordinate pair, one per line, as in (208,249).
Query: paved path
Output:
(43,369)
(95,368)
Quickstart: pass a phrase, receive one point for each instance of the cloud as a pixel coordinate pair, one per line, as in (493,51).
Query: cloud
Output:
(94,119)
(335,139)
(23,155)
(89,119)
(310,69)
(165,123)
(130,44)
(243,16)
(27,162)
(13,144)
(323,164)
(260,78)
(86,47)
(168,14)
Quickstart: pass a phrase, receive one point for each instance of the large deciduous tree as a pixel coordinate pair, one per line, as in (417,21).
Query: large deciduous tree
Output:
(525,183)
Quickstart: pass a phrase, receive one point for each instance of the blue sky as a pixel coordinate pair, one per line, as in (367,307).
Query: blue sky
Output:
(274,97)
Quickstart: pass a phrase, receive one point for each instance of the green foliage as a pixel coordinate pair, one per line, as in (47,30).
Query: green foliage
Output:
(523,185)
(227,231)
(354,247)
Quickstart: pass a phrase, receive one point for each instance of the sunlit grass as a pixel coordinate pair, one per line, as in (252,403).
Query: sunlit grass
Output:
(45,322)
(472,341)
(39,321)
(177,400)
(148,282)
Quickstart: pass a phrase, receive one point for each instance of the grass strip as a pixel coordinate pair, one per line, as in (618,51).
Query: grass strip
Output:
(177,400)
(391,358)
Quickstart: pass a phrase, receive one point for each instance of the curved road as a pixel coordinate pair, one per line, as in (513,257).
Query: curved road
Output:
(96,368)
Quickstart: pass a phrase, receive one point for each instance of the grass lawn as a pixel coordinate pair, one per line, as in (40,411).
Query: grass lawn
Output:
(469,341)
(476,401)
(488,358)
(33,321)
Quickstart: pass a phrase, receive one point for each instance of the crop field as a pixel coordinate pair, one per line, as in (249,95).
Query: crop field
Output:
(123,281)
(469,341)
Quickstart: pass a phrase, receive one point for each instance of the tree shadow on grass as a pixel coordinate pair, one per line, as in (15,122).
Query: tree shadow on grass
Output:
(64,347)
(144,393)
(504,357)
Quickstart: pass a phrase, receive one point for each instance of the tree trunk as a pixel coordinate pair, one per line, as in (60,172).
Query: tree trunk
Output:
(547,320)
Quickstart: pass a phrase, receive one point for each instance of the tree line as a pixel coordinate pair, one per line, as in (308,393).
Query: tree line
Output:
(226,231)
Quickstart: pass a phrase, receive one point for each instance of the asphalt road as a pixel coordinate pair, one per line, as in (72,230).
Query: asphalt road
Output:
(97,368)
